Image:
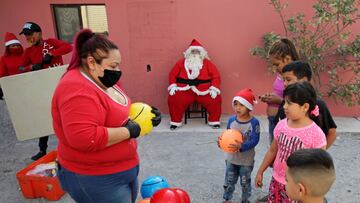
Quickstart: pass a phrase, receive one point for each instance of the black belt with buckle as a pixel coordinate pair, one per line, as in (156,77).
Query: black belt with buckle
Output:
(194,82)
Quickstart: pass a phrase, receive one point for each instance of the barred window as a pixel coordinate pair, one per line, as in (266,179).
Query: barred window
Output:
(70,18)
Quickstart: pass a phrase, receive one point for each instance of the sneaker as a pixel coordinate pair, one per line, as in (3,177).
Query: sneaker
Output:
(263,199)
(245,201)
(216,126)
(38,155)
(173,127)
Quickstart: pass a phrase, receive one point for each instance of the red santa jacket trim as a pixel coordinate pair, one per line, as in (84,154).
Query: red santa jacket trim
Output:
(187,87)
(198,92)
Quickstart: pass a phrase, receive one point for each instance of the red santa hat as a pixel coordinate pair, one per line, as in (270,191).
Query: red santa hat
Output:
(194,42)
(10,39)
(196,45)
(245,97)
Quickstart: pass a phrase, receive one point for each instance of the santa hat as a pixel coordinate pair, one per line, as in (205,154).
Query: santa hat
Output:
(245,97)
(10,39)
(196,45)
(194,42)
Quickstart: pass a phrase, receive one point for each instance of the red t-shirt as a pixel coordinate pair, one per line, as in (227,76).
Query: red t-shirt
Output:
(81,113)
(9,65)
(35,54)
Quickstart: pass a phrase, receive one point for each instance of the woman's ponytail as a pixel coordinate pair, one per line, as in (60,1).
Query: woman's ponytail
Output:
(79,40)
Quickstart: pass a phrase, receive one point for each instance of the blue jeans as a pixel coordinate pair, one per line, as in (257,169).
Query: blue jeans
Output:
(233,172)
(113,188)
(271,128)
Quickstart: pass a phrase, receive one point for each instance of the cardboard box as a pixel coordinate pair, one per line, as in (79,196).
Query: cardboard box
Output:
(28,99)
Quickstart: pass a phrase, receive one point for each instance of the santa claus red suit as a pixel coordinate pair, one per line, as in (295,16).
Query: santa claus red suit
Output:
(194,78)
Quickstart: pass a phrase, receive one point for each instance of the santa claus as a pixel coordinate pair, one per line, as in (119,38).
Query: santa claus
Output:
(194,78)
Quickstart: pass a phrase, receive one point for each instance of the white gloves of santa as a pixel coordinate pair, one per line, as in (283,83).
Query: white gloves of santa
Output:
(172,89)
(213,91)
(213,94)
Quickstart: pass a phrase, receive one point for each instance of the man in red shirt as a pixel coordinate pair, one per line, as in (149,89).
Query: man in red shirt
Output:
(40,55)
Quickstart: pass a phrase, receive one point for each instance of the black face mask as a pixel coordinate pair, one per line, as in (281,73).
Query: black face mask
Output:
(110,78)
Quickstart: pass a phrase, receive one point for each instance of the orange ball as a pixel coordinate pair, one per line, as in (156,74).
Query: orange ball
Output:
(230,137)
(147,200)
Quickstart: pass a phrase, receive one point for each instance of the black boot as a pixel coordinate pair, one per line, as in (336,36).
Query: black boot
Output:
(173,127)
(216,126)
(38,155)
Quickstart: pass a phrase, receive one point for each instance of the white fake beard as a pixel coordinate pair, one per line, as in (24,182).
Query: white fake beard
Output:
(193,64)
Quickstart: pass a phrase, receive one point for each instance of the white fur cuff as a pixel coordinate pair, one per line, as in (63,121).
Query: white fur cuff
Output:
(176,124)
(214,123)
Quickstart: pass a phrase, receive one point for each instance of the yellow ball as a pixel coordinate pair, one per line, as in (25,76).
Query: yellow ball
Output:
(141,114)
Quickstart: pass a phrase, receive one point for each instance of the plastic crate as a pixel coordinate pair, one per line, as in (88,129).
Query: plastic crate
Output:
(33,186)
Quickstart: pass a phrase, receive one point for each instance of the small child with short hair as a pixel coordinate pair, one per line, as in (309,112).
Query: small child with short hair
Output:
(309,176)
(240,164)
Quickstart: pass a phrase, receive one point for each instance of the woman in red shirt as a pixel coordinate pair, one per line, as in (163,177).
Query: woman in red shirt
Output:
(10,61)
(97,149)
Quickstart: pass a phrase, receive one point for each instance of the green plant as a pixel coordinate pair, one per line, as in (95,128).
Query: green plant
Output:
(326,42)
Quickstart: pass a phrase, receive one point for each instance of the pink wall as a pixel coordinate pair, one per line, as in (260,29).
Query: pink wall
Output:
(156,32)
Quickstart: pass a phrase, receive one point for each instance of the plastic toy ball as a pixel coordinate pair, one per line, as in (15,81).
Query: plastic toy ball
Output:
(228,138)
(141,114)
(151,185)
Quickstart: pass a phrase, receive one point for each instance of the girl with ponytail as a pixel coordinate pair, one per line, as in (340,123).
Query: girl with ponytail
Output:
(97,147)
(299,130)
(281,53)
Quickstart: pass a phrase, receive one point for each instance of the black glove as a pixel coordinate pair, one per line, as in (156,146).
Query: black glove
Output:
(134,128)
(36,66)
(47,59)
(157,119)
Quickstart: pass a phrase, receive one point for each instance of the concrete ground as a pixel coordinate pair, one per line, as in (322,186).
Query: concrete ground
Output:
(189,159)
